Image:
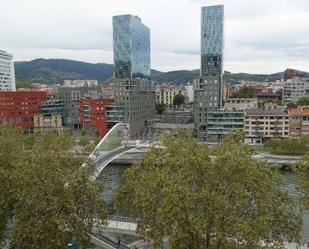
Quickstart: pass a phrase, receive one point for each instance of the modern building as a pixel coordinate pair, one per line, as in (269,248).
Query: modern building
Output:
(208,88)
(240,103)
(294,89)
(264,124)
(93,114)
(18,108)
(52,105)
(133,88)
(71,97)
(7,72)
(48,123)
(299,121)
(220,122)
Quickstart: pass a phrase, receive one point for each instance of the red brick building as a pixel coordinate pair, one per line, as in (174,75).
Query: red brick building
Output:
(93,114)
(18,108)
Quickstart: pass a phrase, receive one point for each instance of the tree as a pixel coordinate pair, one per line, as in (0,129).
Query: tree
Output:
(303,101)
(54,201)
(178,99)
(301,181)
(204,199)
(246,92)
(291,105)
(84,140)
(160,108)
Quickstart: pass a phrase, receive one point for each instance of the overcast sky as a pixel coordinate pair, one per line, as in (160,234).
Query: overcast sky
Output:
(261,36)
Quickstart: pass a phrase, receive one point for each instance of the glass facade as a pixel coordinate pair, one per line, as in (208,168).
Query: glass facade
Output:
(212,23)
(131,47)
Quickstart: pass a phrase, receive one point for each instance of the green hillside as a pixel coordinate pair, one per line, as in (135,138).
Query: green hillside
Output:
(56,70)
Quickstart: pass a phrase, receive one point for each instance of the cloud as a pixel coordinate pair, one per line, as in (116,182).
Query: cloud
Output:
(260,35)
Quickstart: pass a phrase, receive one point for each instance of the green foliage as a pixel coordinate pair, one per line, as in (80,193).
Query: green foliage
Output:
(288,146)
(178,99)
(84,133)
(246,92)
(23,84)
(303,101)
(160,108)
(206,199)
(291,105)
(84,140)
(97,133)
(46,191)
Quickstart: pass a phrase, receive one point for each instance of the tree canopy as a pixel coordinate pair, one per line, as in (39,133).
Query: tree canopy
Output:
(204,199)
(288,146)
(45,192)
(160,108)
(178,99)
(246,92)
(303,101)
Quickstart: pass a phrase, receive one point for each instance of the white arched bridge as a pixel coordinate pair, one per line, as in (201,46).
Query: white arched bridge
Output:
(114,144)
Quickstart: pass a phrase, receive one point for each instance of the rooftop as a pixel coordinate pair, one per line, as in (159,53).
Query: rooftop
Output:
(300,111)
(267,112)
(266,94)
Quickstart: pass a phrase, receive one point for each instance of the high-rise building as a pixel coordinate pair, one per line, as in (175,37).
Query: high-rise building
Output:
(208,88)
(133,88)
(7,73)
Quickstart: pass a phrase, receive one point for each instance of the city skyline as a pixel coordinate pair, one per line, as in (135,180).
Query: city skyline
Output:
(261,36)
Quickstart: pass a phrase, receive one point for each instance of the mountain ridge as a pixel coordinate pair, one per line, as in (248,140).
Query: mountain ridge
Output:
(56,70)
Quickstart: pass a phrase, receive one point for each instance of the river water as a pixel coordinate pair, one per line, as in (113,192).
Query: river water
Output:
(112,178)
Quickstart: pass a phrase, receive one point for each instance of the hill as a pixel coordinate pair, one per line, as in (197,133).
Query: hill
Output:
(57,70)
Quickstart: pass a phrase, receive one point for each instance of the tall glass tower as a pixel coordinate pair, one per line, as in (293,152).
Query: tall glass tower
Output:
(133,89)
(208,88)
(212,40)
(131,47)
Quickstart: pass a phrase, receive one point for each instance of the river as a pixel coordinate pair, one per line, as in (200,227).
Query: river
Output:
(112,177)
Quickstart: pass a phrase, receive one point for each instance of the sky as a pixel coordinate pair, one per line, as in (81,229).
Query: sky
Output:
(261,36)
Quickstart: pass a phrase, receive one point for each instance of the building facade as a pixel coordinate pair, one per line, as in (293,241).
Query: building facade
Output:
(7,72)
(48,123)
(133,88)
(240,103)
(294,89)
(71,97)
(220,122)
(80,83)
(166,95)
(299,121)
(18,108)
(93,114)
(264,124)
(208,88)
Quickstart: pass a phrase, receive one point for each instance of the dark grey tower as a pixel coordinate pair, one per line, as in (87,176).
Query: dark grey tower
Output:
(208,88)
(133,88)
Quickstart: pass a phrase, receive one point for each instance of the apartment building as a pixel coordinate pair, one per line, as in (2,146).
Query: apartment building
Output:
(240,103)
(264,124)
(7,72)
(299,121)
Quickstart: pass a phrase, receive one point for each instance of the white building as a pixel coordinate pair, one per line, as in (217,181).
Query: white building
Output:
(294,89)
(190,93)
(7,72)
(80,83)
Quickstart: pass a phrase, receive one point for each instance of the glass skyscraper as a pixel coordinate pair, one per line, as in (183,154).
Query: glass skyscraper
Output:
(131,47)
(133,88)
(208,88)
(212,40)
